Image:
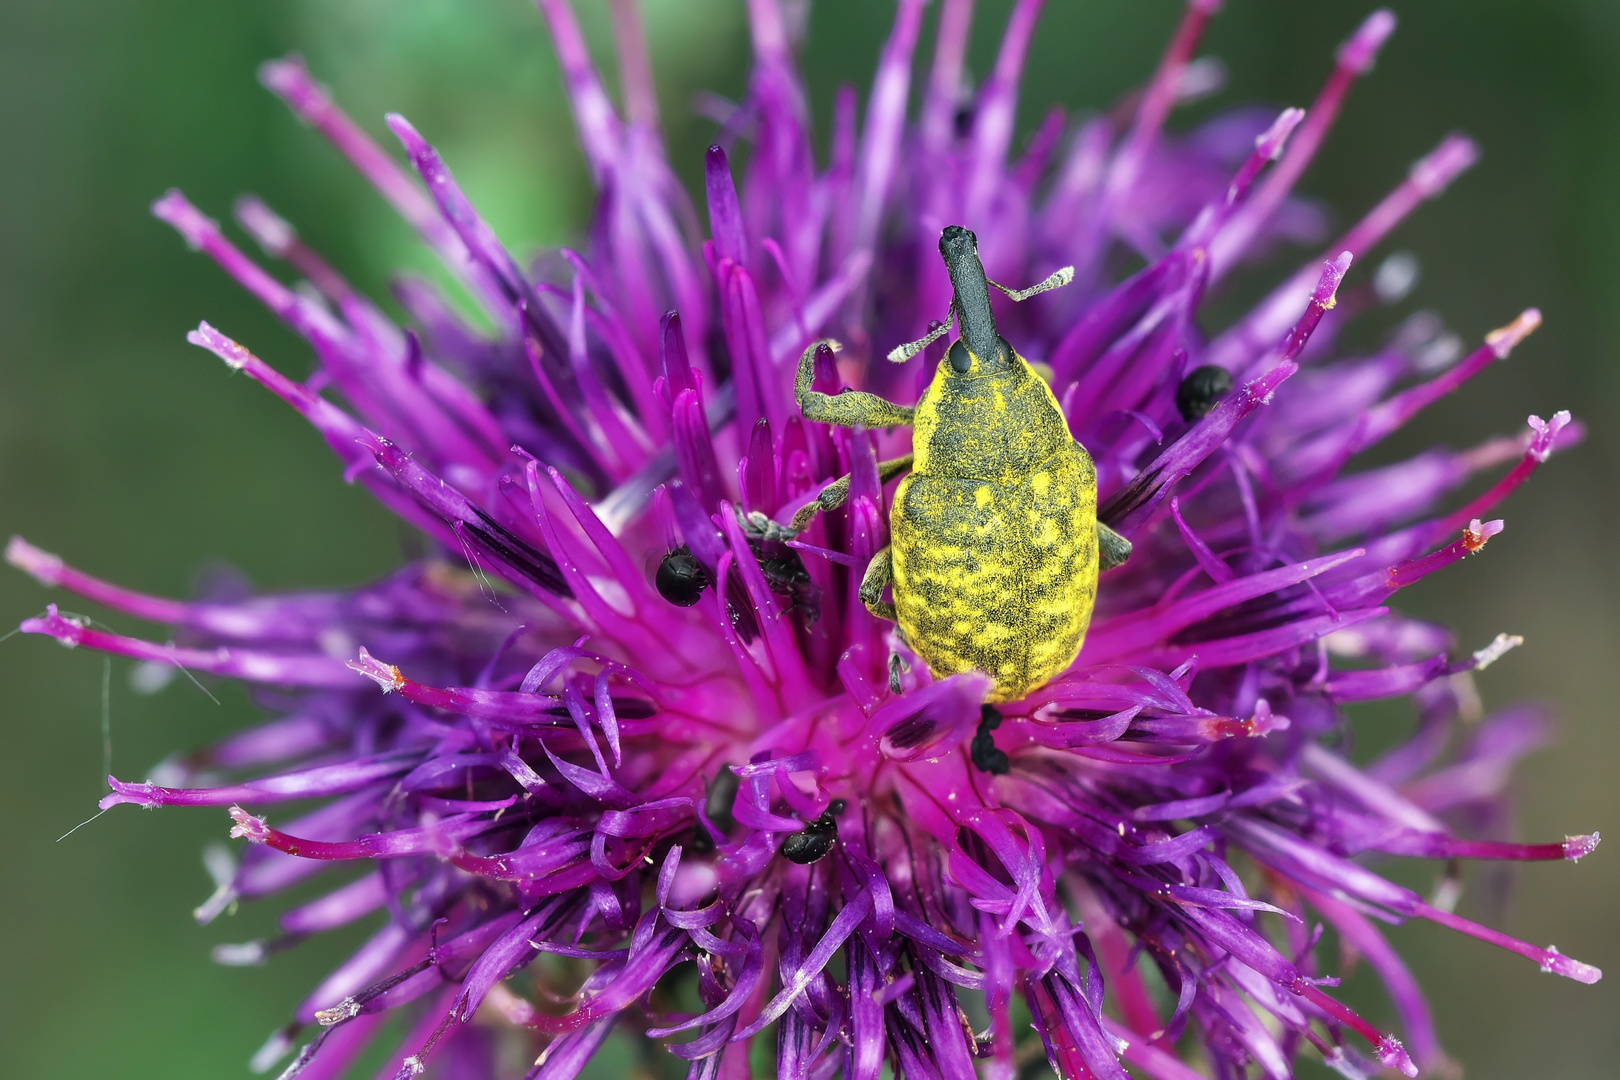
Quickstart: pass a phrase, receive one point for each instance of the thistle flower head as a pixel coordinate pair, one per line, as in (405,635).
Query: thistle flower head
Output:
(627,750)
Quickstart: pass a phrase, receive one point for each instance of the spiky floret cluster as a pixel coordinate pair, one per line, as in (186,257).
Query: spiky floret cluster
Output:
(568,776)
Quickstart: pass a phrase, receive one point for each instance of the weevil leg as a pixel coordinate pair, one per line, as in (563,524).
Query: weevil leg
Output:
(1112,548)
(879,573)
(849,409)
(896,666)
(833,495)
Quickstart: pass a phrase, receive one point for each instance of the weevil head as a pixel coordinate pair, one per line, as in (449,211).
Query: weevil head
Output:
(980,350)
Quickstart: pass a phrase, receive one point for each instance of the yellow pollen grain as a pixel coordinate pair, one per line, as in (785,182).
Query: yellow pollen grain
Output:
(1040,482)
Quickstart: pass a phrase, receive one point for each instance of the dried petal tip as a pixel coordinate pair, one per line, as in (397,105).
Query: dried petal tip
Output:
(1554,962)
(1392,1055)
(1577,848)
(1504,338)
(42,566)
(1262,723)
(1478,532)
(221,865)
(274,1049)
(1200,78)
(1499,647)
(240,954)
(1396,276)
(253,828)
(1357,54)
(347,1009)
(206,337)
(384,675)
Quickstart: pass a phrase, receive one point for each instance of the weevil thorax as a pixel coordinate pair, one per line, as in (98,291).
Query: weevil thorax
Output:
(987,414)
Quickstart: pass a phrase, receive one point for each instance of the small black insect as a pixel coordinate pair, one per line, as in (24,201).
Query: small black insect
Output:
(986,755)
(817,839)
(1201,390)
(681,579)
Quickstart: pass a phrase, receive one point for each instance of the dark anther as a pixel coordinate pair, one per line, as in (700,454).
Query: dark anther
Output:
(1201,390)
(986,755)
(910,732)
(817,838)
(962,122)
(517,553)
(681,579)
(717,807)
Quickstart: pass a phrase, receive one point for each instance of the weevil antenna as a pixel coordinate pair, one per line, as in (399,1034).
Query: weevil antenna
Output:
(901,353)
(1057,280)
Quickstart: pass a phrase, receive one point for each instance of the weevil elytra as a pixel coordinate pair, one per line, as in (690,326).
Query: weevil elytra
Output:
(995,546)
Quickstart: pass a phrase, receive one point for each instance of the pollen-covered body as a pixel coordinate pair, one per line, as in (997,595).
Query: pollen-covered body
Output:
(994,533)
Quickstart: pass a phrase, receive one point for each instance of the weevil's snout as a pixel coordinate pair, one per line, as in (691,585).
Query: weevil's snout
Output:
(960,249)
(957,243)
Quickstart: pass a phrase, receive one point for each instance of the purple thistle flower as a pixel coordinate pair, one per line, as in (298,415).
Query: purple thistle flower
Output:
(641,743)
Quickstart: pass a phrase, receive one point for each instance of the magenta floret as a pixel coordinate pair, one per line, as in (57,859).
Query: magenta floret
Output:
(682,815)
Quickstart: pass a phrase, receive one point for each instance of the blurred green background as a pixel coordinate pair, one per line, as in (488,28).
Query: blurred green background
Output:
(134,456)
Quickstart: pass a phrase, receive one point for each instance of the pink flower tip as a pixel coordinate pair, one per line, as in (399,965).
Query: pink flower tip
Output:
(64,628)
(1435,171)
(384,675)
(143,795)
(1361,50)
(1328,284)
(1392,1055)
(269,229)
(407,134)
(1554,962)
(1271,143)
(192,224)
(1504,338)
(253,828)
(286,76)
(42,566)
(385,450)
(206,337)
(1545,433)
(1577,848)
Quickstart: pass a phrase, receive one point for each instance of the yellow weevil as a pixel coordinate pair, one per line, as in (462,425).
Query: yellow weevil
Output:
(994,537)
